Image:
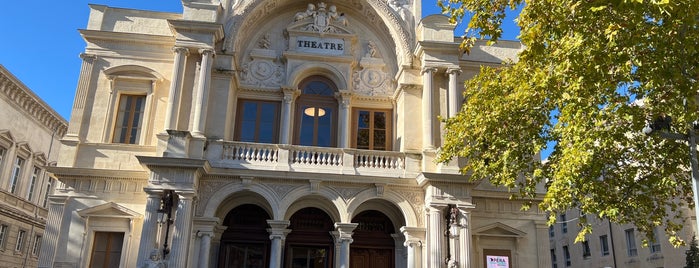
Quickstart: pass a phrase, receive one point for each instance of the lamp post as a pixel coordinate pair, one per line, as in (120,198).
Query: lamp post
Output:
(451,232)
(165,210)
(661,126)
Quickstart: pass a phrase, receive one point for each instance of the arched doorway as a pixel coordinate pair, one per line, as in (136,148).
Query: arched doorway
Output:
(373,245)
(316,113)
(245,243)
(309,245)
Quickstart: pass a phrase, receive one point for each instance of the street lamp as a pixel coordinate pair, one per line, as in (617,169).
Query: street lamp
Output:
(451,232)
(165,213)
(661,126)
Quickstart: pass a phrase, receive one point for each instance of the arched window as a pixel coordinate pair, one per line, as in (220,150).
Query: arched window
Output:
(316,113)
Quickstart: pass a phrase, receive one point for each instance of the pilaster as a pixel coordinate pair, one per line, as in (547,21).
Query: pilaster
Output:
(427,107)
(75,127)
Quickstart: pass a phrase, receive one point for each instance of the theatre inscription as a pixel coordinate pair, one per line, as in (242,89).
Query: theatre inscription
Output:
(326,46)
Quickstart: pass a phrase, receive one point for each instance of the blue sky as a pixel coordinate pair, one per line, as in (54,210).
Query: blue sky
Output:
(40,43)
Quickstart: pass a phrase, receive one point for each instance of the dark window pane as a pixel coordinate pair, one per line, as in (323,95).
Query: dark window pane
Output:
(380,120)
(363,139)
(257,121)
(325,128)
(363,121)
(306,133)
(379,139)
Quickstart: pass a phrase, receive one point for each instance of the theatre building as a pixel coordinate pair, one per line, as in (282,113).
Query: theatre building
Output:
(276,133)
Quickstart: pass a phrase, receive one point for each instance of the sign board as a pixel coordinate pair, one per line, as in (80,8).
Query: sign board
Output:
(497,261)
(316,45)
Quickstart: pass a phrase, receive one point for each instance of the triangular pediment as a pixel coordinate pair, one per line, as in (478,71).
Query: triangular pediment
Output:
(109,210)
(6,138)
(500,230)
(23,148)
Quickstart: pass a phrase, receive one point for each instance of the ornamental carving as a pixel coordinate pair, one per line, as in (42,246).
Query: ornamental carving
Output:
(263,69)
(416,201)
(206,189)
(322,19)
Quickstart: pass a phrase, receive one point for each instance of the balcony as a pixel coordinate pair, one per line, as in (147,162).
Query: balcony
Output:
(281,157)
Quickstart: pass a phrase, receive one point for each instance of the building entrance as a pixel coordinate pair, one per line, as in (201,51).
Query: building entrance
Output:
(373,245)
(245,243)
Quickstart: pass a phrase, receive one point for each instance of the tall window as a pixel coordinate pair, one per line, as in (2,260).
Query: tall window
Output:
(566,255)
(258,121)
(48,191)
(316,116)
(372,129)
(586,249)
(2,156)
(129,119)
(16,173)
(37,245)
(20,240)
(655,244)
(564,223)
(3,235)
(106,249)
(552,231)
(631,249)
(32,183)
(553,258)
(603,244)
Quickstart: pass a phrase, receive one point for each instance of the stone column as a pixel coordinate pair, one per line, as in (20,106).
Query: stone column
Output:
(75,128)
(51,233)
(277,233)
(173,101)
(289,96)
(344,118)
(150,226)
(413,242)
(542,237)
(182,233)
(204,248)
(435,235)
(202,98)
(464,245)
(343,236)
(206,231)
(427,107)
(453,91)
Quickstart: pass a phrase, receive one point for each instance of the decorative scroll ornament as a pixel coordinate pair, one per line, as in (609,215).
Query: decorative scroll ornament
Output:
(322,18)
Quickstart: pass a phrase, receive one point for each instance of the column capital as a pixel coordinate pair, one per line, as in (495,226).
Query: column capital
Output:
(428,70)
(434,207)
(178,50)
(185,195)
(344,231)
(413,236)
(206,51)
(344,97)
(278,229)
(87,56)
(453,70)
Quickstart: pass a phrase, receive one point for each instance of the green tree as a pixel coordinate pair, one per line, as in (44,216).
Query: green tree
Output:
(589,78)
(692,254)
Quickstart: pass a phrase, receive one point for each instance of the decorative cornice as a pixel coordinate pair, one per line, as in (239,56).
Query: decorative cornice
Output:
(29,102)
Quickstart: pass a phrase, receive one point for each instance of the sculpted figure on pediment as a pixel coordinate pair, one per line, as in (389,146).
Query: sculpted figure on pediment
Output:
(323,18)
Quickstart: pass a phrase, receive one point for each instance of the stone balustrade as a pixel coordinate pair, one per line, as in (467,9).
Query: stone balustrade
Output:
(281,157)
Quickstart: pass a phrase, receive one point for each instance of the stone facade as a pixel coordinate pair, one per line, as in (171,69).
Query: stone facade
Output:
(615,245)
(275,133)
(29,141)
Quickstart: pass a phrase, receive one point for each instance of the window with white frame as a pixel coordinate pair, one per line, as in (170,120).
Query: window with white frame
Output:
(2,157)
(130,104)
(20,240)
(16,173)
(32,183)
(37,245)
(3,235)
(631,249)
(48,191)
(655,244)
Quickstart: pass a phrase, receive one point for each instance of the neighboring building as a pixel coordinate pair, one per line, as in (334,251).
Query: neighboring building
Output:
(613,245)
(29,141)
(276,133)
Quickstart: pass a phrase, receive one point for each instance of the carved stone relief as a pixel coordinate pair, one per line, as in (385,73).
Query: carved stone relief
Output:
(263,69)
(206,190)
(371,79)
